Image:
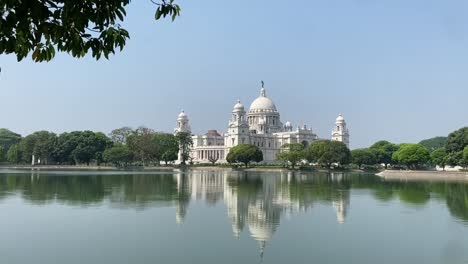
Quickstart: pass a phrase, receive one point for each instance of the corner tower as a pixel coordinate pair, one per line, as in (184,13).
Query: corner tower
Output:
(182,123)
(238,131)
(340,132)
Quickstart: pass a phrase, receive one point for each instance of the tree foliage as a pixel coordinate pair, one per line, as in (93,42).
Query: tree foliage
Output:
(412,155)
(434,143)
(439,157)
(120,135)
(8,138)
(185,145)
(383,151)
(119,155)
(326,152)
(244,153)
(42,27)
(81,147)
(13,154)
(142,145)
(168,147)
(363,157)
(293,153)
(465,157)
(457,140)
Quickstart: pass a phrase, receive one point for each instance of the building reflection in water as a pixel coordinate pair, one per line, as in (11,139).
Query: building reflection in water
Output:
(255,201)
(258,201)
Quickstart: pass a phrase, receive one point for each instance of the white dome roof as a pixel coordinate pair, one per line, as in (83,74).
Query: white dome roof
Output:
(183,115)
(238,106)
(288,124)
(340,118)
(263,103)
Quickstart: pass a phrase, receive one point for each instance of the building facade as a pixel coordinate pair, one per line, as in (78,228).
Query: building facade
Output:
(260,126)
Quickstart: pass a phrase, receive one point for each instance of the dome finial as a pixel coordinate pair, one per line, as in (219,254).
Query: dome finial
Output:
(263,91)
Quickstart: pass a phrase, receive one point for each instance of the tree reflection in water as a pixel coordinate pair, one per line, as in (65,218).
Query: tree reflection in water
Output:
(254,200)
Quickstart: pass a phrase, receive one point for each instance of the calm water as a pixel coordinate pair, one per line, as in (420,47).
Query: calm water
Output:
(229,217)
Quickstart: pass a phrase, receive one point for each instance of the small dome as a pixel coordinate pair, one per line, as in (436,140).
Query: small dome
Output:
(340,118)
(238,106)
(183,115)
(263,103)
(288,124)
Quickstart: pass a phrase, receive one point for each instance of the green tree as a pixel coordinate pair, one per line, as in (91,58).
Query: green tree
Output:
(465,157)
(244,153)
(143,145)
(363,156)
(292,154)
(383,151)
(326,152)
(434,143)
(74,27)
(80,147)
(119,155)
(8,138)
(168,146)
(2,153)
(457,140)
(412,155)
(185,142)
(439,157)
(41,144)
(454,158)
(14,155)
(120,135)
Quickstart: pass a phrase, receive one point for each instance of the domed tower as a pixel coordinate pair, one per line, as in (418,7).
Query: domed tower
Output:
(238,131)
(182,123)
(263,118)
(340,132)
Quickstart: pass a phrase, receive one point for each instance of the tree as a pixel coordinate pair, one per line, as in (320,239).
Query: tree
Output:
(363,156)
(244,153)
(213,159)
(412,155)
(465,157)
(2,153)
(143,146)
(292,154)
(74,27)
(434,143)
(457,140)
(168,147)
(13,154)
(454,158)
(326,152)
(383,151)
(439,157)
(185,145)
(8,138)
(81,147)
(41,144)
(120,135)
(119,155)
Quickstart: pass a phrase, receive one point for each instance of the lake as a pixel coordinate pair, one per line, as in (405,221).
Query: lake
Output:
(224,216)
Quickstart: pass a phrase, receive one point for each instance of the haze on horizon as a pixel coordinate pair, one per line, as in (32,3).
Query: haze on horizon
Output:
(397,70)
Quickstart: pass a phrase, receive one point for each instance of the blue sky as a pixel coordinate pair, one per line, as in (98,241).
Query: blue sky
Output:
(396,69)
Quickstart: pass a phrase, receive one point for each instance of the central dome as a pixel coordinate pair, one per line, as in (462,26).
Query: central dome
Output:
(263,103)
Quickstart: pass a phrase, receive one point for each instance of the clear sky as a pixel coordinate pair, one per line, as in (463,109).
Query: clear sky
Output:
(396,69)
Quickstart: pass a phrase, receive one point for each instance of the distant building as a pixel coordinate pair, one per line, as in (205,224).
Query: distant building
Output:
(260,126)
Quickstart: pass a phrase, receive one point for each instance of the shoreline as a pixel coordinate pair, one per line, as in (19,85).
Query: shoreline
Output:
(438,176)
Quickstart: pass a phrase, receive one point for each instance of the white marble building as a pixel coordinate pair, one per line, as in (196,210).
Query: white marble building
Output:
(260,126)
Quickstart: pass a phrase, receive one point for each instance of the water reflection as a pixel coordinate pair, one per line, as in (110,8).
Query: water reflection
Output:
(255,201)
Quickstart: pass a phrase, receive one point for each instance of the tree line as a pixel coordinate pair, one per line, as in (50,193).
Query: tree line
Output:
(451,150)
(439,151)
(122,147)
